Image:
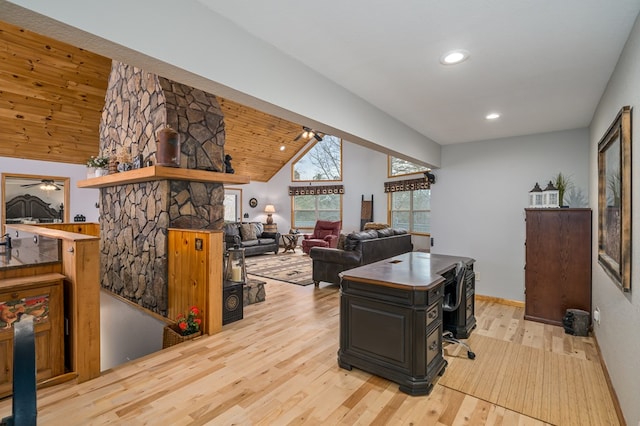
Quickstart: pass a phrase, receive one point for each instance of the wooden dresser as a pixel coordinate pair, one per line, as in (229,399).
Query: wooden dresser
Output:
(558,263)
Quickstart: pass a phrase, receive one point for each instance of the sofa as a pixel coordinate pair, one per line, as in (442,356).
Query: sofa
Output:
(251,237)
(360,248)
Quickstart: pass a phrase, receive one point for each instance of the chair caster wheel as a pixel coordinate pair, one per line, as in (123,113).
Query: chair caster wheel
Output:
(471,355)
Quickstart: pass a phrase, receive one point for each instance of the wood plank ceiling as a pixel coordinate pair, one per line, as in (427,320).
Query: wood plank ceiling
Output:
(51,99)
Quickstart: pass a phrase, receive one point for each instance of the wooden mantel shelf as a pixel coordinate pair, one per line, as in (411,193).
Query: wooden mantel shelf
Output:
(151,173)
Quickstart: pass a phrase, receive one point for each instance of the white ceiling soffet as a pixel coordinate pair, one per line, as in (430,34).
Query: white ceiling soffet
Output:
(543,64)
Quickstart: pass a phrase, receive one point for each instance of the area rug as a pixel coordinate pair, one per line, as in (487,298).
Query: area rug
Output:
(288,267)
(552,387)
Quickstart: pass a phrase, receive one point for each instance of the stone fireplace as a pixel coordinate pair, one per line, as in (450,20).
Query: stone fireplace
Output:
(134,217)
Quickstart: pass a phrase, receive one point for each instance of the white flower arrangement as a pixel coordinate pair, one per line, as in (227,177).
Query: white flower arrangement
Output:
(98,162)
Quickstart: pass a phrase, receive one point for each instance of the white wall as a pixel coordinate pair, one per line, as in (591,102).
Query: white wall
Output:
(82,200)
(364,173)
(126,332)
(480,194)
(618,333)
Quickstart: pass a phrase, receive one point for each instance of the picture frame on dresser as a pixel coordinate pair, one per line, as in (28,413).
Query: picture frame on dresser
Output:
(614,200)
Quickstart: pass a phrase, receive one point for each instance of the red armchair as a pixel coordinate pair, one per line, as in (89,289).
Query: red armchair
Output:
(325,234)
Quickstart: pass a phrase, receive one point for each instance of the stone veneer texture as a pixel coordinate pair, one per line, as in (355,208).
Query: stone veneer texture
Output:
(134,218)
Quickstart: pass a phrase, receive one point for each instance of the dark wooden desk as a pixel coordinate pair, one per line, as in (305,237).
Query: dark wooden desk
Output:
(391,319)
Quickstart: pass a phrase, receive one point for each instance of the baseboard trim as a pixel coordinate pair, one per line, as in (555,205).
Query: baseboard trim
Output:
(614,395)
(509,302)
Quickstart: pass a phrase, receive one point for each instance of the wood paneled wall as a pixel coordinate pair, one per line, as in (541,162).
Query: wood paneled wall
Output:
(51,97)
(195,275)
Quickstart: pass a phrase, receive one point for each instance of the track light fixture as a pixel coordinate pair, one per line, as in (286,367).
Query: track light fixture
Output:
(308,133)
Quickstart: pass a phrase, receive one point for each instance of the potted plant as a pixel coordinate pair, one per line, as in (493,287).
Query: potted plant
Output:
(185,328)
(98,165)
(562,183)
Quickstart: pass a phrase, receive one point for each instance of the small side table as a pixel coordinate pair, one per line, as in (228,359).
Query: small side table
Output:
(290,242)
(270,227)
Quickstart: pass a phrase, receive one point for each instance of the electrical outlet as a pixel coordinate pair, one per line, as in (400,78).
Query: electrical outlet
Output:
(596,315)
(477,276)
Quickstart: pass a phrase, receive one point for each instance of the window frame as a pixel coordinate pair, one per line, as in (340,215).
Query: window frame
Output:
(390,175)
(305,152)
(411,211)
(293,210)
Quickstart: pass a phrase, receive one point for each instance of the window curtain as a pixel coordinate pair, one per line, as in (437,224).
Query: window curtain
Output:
(407,185)
(316,190)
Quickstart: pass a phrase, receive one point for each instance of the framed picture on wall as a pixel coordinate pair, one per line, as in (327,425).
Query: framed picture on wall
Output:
(614,200)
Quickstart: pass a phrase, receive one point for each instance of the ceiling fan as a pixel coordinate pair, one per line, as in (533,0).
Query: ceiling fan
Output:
(308,133)
(45,185)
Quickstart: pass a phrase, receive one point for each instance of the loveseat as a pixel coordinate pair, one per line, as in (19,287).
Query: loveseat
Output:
(360,248)
(251,237)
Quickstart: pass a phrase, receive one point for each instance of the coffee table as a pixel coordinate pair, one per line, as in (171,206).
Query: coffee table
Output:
(290,242)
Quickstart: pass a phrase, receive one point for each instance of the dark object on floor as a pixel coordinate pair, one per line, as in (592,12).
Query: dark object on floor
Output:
(227,164)
(232,303)
(576,322)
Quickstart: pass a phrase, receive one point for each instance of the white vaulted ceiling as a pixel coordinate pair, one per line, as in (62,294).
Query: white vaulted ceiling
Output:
(542,64)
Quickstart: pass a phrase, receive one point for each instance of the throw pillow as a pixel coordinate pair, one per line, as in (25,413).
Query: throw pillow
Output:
(248,231)
(341,239)
(259,228)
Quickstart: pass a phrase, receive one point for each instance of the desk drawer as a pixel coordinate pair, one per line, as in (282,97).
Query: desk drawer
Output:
(435,294)
(433,314)
(469,306)
(434,345)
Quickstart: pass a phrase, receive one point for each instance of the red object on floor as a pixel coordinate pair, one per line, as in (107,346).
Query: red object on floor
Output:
(325,234)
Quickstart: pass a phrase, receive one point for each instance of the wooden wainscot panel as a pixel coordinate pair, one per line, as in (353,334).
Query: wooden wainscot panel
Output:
(195,275)
(41,297)
(81,268)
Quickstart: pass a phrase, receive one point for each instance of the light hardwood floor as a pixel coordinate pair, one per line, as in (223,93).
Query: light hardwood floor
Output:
(278,366)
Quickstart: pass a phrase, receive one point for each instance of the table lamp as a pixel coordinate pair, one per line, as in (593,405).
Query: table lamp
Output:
(269,209)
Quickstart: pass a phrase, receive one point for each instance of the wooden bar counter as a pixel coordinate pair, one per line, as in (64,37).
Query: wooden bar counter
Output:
(391,319)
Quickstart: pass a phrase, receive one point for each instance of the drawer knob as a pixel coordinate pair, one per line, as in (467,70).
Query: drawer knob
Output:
(433,346)
(14,295)
(432,314)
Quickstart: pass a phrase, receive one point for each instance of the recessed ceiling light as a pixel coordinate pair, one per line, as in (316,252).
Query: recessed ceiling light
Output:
(492,116)
(282,147)
(454,57)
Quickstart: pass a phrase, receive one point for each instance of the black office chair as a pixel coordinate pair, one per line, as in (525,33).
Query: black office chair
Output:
(451,302)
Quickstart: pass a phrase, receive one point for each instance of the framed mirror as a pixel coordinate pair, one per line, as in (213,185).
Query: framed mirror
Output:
(33,199)
(614,200)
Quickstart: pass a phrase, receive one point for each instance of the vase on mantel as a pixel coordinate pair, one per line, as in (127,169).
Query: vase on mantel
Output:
(91,172)
(101,172)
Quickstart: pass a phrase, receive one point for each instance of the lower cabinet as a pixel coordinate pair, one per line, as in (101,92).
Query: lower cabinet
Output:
(394,333)
(41,297)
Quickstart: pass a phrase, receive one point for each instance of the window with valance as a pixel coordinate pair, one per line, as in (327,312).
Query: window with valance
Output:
(410,204)
(312,203)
